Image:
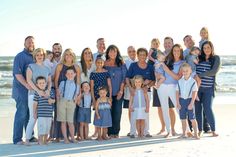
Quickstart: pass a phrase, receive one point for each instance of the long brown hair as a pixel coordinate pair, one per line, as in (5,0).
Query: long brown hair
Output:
(82,61)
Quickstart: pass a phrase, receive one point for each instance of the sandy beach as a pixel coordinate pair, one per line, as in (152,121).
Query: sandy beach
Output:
(124,146)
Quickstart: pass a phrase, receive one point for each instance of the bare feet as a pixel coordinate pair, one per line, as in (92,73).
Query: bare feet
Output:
(160,132)
(214,134)
(183,136)
(189,134)
(167,135)
(66,141)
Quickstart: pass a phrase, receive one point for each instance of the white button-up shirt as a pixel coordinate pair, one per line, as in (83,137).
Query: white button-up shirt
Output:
(186,87)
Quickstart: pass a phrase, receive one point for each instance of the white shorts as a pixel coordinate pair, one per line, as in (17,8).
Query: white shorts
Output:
(44,125)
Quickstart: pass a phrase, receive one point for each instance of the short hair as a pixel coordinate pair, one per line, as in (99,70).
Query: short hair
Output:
(166,38)
(56,44)
(186,36)
(99,39)
(29,37)
(185,65)
(37,51)
(142,50)
(70,68)
(40,78)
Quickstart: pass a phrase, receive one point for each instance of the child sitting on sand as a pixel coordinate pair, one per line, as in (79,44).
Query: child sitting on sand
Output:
(186,93)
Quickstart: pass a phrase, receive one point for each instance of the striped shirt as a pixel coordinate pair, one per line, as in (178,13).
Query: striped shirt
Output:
(207,81)
(44,109)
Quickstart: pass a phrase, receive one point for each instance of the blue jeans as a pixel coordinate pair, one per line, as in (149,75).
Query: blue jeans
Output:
(116,111)
(206,96)
(21,119)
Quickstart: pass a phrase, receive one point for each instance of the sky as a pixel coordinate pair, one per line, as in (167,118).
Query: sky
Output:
(77,24)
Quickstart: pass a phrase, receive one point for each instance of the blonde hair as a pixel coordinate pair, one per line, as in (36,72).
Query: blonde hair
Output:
(155,40)
(206,30)
(185,65)
(137,77)
(36,51)
(69,50)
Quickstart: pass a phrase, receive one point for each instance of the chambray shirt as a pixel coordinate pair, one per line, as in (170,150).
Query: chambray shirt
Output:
(117,77)
(70,88)
(185,87)
(21,62)
(176,67)
(186,52)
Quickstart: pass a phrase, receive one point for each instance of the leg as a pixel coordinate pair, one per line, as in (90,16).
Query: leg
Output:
(142,126)
(30,126)
(20,120)
(207,106)
(160,114)
(194,124)
(86,131)
(81,131)
(99,133)
(116,116)
(163,95)
(146,129)
(64,132)
(72,131)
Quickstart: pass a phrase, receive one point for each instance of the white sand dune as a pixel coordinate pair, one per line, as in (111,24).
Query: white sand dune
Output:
(224,145)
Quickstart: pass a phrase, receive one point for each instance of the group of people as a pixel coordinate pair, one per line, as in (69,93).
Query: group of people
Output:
(60,92)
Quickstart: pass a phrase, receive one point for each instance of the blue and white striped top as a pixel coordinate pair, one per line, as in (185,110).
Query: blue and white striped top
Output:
(44,109)
(207,81)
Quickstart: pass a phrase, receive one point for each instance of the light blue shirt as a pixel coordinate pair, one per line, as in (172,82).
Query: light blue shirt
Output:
(186,52)
(176,67)
(69,90)
(96,54)
(185,87)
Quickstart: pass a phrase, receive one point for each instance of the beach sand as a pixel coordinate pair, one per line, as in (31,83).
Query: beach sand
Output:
(224,145)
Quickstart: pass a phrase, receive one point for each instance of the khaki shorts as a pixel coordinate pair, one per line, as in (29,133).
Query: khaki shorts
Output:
(65,110)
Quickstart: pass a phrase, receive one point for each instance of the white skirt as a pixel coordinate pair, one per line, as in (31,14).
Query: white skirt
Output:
(139,113)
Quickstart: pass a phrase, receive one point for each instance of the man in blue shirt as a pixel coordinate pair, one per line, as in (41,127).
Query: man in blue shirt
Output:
(20,88)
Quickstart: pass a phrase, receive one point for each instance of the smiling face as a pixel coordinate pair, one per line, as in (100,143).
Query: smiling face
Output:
(41,84)
(29,44)
(86,87)
(177,53)
(207,50)
(87,55)
(138,83)
(131,53)
(101,45)
(102,93)
(70,74)
(57,50)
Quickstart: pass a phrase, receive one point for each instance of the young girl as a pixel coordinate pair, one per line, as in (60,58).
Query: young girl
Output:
(100,77)
(48,62)
(102,119)
(139,105)
(84,113)
(152,55)
(159,70)
(204,36)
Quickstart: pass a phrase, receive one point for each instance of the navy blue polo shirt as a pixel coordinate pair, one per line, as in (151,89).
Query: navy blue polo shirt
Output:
(147,73)
(21,62)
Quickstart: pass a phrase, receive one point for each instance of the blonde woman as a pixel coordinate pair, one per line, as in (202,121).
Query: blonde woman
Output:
(35,70)
(68,60)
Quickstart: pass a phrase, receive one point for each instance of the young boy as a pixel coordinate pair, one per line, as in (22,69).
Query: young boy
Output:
(186,93)
(43,109)
(69,91)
